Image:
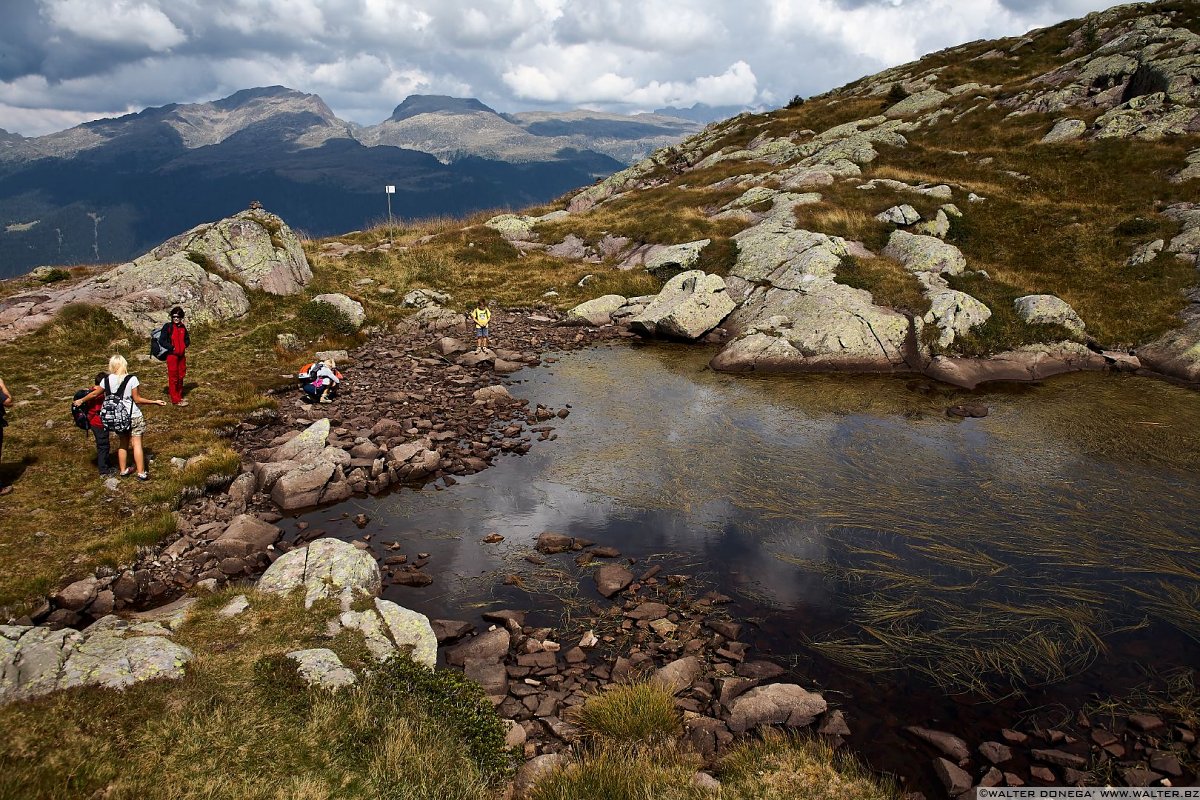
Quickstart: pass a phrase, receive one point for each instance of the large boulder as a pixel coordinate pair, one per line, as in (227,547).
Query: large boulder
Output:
(1175,353)
(664,260)
(776,704)
(595,312)
(205,271)
(917,103)
(1026,363)
(255,247)
(955,313)
(325,568)
(828,326)
(689,306)
(1046,309)
(246,534)
(306,446)
(352,309)
(112,653)
(918,253)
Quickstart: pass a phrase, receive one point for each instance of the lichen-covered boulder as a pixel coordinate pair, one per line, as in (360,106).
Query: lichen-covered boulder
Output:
(255,247)
(899,215)
(918,253)
(112,653)
(955,314)
(410,631)
(351,308)
(662,260)
(322,668)
(689,306)
(423,298)
(595,312)
(307,445)
(325,568)
(1046,309)
(1065,130)
(917,103)
(826,326)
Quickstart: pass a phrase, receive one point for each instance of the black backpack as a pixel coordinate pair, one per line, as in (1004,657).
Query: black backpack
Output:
(78,413)
(157,348)
(116,412)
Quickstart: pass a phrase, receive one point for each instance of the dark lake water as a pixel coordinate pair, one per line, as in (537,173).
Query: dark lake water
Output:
(919,569)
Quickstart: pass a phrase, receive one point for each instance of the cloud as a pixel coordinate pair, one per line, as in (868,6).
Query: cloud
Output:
(125,22)
(77,59)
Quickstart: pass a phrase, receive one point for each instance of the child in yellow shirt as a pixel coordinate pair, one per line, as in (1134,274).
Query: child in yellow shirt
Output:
(481,316)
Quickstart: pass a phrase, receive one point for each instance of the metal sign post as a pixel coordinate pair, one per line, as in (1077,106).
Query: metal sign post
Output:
(389,191)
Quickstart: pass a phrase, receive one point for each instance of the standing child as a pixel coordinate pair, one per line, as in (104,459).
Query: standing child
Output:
(6,402)
(176,339)
(481,316)
(92,408)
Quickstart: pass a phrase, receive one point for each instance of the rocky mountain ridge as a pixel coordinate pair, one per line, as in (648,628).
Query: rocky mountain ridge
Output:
(1004,209)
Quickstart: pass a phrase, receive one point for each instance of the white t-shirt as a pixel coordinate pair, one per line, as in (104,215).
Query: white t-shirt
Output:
(113,382)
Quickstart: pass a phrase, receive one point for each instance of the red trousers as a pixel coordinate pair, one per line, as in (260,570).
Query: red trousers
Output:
(176,370)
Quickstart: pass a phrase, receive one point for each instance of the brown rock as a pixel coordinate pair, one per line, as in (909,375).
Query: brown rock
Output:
(728,629)
(411,577)
(1060,758)
(1145,722)
(763,670)
(995,752)
(489,674)
(775,704)
(993,777)
(551,543)
(75,596)
(679,674)
(488,646)
(505,616)
(1166,763)
(1043,774)
(447,630)
(1013,737)
(1139,776)
(606,552)
(1103,738)
(948,743)
(534,770)
(648,612)
(103,604)
(834,724)
(954,779)
(611,579)
(492,538)
(246,534)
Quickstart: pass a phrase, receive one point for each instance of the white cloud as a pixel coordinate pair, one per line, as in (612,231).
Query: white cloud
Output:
(75,58)
(116,22)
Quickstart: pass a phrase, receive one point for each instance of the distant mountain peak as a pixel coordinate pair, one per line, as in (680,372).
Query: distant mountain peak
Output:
(249,96)
(416,104)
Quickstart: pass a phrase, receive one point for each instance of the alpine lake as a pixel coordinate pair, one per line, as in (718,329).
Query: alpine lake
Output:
(918,569)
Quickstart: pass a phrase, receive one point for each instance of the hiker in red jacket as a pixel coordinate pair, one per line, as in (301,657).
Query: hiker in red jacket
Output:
(176,339)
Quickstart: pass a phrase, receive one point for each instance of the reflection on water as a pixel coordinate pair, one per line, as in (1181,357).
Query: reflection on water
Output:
(986,553)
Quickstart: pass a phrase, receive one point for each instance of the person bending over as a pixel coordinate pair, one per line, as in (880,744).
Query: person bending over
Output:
(124,387)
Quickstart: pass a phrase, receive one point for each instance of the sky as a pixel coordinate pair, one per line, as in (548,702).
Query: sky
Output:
(63,62)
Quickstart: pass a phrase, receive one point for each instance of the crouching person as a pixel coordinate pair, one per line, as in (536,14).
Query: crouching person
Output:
(320,380)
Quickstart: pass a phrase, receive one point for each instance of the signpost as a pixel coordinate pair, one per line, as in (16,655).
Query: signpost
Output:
(389,191)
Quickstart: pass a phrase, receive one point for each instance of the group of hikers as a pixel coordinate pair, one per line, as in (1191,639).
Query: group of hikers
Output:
(113,405)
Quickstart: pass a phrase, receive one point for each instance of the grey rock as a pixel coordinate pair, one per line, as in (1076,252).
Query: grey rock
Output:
(596,312)
(919,253)
(1048,309)
(322,668)
(679,674)
(534,770)
(899,215)
(325,568)
(490,646)
(235,606)
(351,308)
(76,596)
(778,703)
(689,306)
(246,534)
(1065,130)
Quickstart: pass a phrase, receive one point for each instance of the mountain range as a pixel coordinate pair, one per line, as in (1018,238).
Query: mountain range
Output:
(109,189)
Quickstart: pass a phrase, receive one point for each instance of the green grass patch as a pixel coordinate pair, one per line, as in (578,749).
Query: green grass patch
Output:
(889,283)
(635,712)
(240,724)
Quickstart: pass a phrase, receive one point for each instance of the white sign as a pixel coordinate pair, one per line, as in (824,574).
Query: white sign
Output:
(390,189)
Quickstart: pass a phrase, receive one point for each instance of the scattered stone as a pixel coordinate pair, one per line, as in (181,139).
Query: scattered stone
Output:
(321,667)
(948,743)
(612,579)
(952,777)
(235,606)
(995,752)
(778,703)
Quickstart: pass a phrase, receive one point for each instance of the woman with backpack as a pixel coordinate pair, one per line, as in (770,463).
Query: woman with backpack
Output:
(6,402)
(121,414)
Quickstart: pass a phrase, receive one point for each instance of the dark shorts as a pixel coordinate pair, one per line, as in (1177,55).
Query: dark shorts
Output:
(481,333)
